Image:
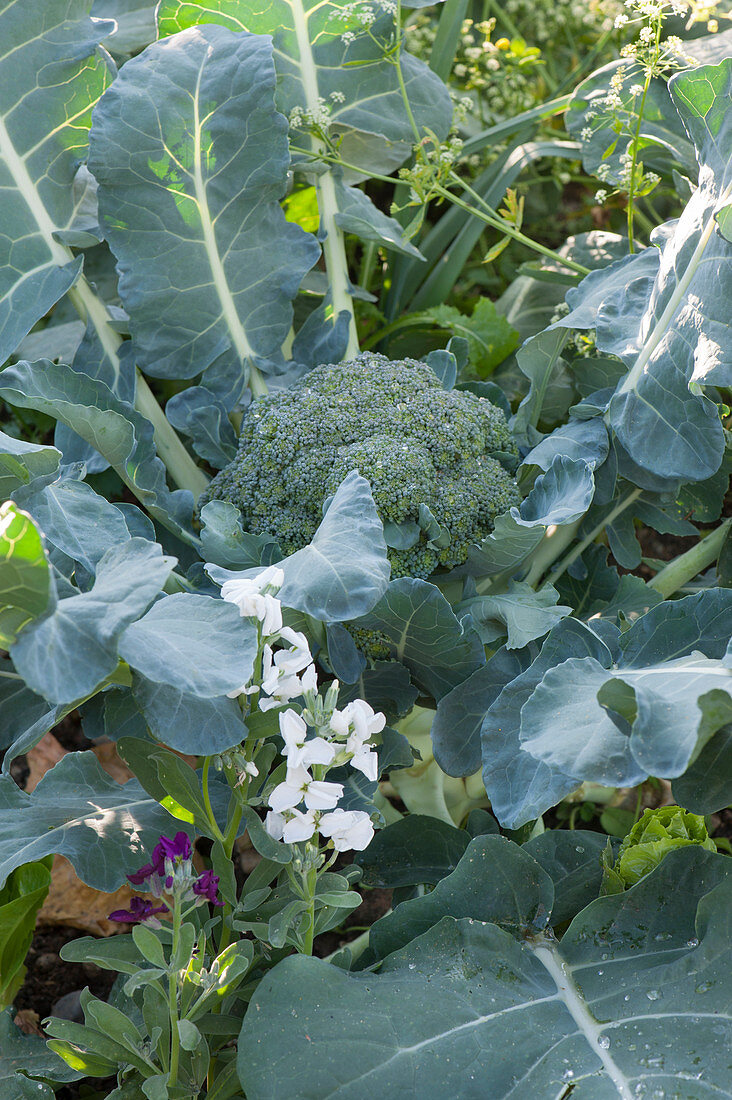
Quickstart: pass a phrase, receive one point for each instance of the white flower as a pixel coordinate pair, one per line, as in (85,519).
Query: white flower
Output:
(620,21)
(364,760)
(357,719)
(350,830)
(600,196)
(248,593)
(298,656)
(298,749)
(291,826)
(300,785)
(280,670)
(309,680)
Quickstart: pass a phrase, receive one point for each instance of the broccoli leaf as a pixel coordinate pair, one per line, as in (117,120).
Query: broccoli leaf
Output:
(360,86)
(110,425)
(190,195)
(77,810)
(51,75)
(634,994)
(344,571)
(425,635)
(650,715)
(194,643)
(67,654)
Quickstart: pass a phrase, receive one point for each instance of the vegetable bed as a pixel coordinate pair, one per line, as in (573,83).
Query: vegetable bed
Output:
(365,552)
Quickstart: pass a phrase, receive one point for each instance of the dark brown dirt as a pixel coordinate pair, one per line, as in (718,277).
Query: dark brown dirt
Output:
(49,977)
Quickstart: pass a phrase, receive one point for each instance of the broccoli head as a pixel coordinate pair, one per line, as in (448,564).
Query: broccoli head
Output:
(427,453)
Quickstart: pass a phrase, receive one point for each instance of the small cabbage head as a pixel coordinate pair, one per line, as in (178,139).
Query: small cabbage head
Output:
(657,833)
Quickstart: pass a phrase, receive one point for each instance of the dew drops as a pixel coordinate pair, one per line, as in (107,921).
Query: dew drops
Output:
(412,966)
(603,1042)
(694,942)
(653,994)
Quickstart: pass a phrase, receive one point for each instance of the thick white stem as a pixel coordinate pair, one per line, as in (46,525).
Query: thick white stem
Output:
(334,247)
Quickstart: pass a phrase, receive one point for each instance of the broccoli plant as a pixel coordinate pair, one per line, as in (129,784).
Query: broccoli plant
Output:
(431,456)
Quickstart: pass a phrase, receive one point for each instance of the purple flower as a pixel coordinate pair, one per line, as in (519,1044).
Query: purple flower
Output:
(138,877)
(206,886)
(179,848)
(138,911)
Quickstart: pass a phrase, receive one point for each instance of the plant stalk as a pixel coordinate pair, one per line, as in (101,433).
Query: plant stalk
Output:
(580,548)
(178,462)
(684,568)
(334,246)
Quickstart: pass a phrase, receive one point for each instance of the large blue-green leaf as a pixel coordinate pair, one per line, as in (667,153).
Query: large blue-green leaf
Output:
(103,828)
(416,850)
(520,612)
(519,785)
(425,635)
(110,426)
(225,542)
(187,722)
(495,880)
(21,463)
(457,724)
(354,80)
(135,23)
(344,571)
(74,519)
(67,654)
(633,1000)
(670,326)
(51,75)
(649,715)
(196,644)
(192,158)
(560,496)
(540,359)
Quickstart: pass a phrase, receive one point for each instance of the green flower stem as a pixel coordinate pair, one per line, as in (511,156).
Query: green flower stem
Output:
(216,831)
(309,883)
(575,552)
(679,572)
(397,62)
(492,218)
(173,999)
(178,462)
(636,138)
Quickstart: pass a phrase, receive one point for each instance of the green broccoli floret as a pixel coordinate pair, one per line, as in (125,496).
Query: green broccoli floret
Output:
(426,452)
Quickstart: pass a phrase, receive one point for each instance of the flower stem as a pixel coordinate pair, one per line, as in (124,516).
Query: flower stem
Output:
(309,882)
(173,998)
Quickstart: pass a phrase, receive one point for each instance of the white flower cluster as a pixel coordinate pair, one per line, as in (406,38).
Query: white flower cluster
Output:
(298,805)
(289,672)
